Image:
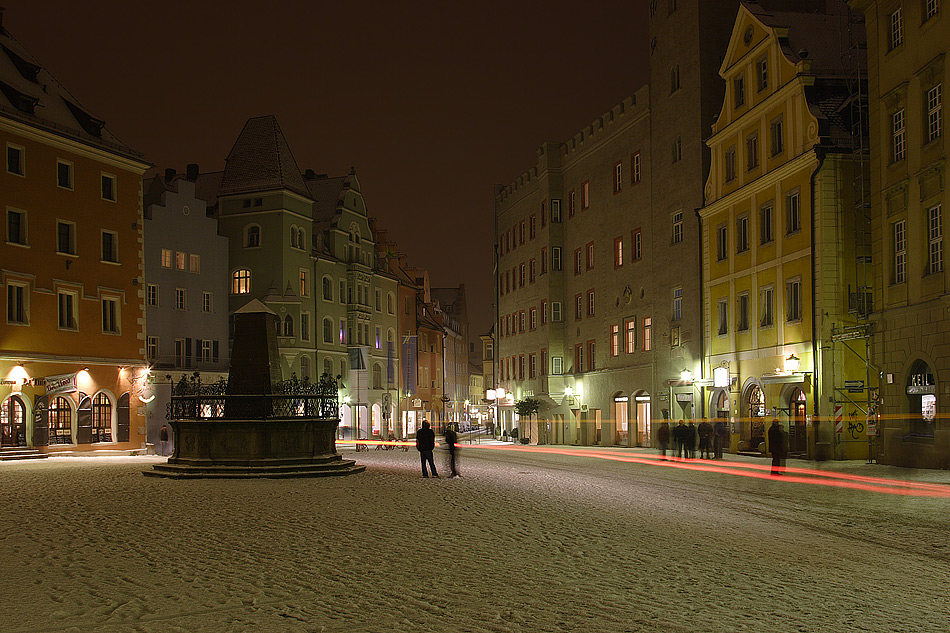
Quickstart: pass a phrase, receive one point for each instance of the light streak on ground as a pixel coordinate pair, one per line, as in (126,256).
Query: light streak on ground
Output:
(395,443)
(793,474)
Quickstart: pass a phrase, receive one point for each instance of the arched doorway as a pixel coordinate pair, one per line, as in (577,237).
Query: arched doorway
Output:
(13,423)
(60,421)
(797,429)
(755,409)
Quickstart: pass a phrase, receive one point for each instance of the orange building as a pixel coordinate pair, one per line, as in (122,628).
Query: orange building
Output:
(72,338)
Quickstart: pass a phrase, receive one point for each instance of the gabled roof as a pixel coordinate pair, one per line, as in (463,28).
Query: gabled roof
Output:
(29,94)
(261,160)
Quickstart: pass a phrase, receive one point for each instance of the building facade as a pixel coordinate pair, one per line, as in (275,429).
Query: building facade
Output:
(784,250)
(72,346)
(907,48)
(598,252)
(186,290)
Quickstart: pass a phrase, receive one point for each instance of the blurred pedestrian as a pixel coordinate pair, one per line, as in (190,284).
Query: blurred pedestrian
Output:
(163,440)
(705,432)
(719,438)
(663,437)
(691,440)
(425,444)
(451,438)
(778,447)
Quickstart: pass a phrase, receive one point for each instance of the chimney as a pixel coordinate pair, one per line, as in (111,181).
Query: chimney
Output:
(309,175)
(191,171)
(169,174)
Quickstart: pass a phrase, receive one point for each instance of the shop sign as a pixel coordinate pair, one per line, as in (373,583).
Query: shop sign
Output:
(61,384)
(918,390)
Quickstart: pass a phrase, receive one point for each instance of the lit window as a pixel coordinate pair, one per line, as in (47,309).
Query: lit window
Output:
(615,340)
(585,195)
(194,262)
(677,304)
(166,258)
(647,334)
(630,335)
(618,252)
(179,260)
(241,281)
(207,302)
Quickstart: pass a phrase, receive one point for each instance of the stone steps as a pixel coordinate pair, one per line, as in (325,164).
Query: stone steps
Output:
(21,452)
(326,468)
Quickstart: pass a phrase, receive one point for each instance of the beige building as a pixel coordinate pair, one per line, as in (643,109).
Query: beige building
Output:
(907,67)
(784,240)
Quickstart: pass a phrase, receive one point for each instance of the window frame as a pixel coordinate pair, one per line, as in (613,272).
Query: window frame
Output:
(113,187)
(899,243)
(70,179)
(114,245)
(20,169)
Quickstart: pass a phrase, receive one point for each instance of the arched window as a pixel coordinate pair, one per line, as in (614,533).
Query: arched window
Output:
(301,239)
(327,289)
(252,236)
(304,367)
(241,281)
(327,330)
(101,418)
(377,376)
(327,366)
(343,368)
(60,422)
(293,237)
(288,325)
(391,303)
(391,336)
(13,422)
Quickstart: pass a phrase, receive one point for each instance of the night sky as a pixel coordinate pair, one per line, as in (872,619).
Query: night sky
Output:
(433,102)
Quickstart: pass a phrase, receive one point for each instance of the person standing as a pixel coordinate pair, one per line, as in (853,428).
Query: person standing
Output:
(425,444)
(663,437)
(720,439)
(679,439)
(778,447)
(690,437)
(705,431)
(451,438)
(163,440)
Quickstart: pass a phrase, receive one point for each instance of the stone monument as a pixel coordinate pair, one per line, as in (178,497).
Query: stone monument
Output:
(256,425)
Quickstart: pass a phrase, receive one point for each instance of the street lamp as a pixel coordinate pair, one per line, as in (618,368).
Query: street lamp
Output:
(792,363)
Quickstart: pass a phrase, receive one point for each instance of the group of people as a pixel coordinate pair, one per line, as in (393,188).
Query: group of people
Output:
(711,439)
(425,444)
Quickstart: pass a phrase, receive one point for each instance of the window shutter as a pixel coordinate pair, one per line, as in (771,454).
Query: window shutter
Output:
(214,350)
(188,353)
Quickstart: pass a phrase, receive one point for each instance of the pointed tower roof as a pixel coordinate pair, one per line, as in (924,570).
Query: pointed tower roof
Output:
(261,160)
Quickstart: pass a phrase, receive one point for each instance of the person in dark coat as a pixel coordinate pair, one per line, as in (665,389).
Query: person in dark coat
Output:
(163,439)
(663,437)
(705,432)
(425,444)
(679,438)
(690,437)
(451,437)
(778,447)
(720,439)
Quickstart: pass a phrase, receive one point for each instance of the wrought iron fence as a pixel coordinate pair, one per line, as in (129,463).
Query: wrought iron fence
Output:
(293,398)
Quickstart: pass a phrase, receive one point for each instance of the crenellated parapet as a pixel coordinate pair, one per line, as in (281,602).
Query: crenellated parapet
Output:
(552,155)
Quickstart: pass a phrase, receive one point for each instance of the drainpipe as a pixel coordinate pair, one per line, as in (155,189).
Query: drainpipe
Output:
(820,154)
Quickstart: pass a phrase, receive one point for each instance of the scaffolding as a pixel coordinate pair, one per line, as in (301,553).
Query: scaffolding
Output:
(860,393)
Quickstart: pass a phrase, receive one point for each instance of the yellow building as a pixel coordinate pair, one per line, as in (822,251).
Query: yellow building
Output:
(780,242)
(72,339)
